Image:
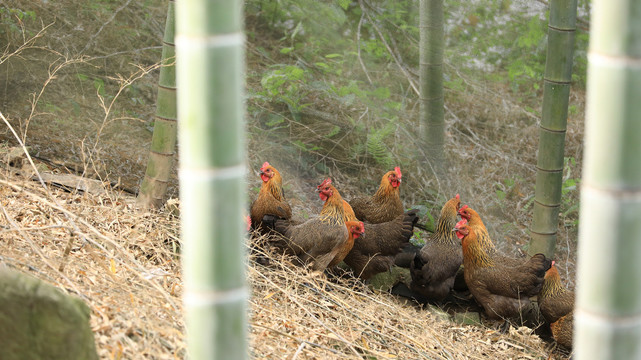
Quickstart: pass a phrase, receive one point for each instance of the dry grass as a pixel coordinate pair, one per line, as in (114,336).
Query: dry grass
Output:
(123,265)
(122,261)
(119,261)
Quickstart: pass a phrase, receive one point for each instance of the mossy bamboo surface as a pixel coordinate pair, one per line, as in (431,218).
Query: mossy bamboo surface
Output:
(431,78)
(210,67)
(163,143)
(556,92)
(608,308)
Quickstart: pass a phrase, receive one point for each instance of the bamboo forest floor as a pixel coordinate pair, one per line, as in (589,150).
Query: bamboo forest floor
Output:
(121,261)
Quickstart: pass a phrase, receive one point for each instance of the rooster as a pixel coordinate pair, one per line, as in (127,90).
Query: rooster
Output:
(502,289)
(271,198)
(385,204)
(321,240)
(375,251)
(554,299)
(435,266)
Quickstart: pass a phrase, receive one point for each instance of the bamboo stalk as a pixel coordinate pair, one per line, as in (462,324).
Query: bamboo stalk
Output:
(210,67)
(608,308)
(163,143)
(556,92)
(431,77)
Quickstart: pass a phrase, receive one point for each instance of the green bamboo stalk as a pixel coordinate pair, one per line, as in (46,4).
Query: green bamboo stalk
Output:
(210,68)
(556,92)
(608,308)
(163,142)
(431,79)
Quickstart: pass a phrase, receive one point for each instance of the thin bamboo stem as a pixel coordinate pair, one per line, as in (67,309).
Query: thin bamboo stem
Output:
(163,143)
(556,92)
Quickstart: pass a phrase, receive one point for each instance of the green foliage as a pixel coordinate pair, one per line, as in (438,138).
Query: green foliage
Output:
(376,146)
(12,21)
(529,68)
(285,85)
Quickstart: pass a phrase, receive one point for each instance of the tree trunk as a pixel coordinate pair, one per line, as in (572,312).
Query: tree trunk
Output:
(607,321)
(163,142)
(431,77)
(556,92)
(210,75)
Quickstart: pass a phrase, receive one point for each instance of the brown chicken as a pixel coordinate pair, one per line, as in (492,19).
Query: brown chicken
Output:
(271,198)
(355,229)
(474,221)
(503,290)
(321,240)
(374,252)
(554,299)
(385,204)
(562,329)
(435,266)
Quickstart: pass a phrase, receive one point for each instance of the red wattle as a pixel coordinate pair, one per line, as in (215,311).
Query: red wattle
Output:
(264,177)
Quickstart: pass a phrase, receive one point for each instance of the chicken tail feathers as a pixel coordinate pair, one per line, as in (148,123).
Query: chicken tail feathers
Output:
(411,217)
(405,258)
(269,221)
(541,264)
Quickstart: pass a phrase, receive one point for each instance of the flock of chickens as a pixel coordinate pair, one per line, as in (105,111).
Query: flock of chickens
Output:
(368,234)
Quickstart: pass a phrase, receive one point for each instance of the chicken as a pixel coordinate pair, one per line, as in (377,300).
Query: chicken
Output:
(271,198)
(385,204)
(474,221)
(562,329)
(554,299)
(375,251)
(319,241)
(355,229)
(502,289)
(435,266)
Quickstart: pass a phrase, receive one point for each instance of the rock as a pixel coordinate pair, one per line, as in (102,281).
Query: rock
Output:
(15,156)
(38,321)
(438,312)
(467,318)
(385,281)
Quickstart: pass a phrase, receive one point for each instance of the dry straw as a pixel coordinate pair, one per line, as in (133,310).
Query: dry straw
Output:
(122,262)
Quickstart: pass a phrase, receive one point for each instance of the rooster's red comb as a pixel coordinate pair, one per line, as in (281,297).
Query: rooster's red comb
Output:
(552,263)
(398,171)
(458,197)
(460,224)
(325,182)
(463,208)
(265,164)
